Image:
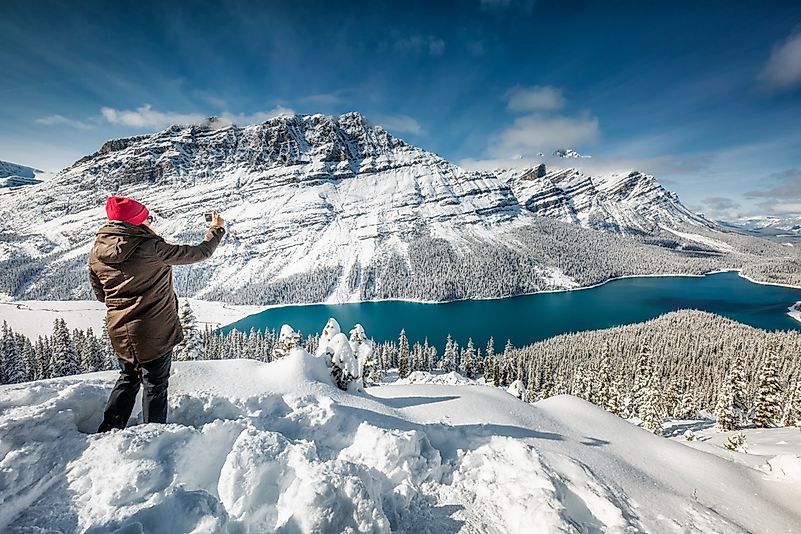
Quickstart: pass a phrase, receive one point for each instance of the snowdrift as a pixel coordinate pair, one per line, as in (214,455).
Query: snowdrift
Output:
(276,447)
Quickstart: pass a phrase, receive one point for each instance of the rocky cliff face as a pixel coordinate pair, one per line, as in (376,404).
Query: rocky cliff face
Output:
(325,198)
(624,203)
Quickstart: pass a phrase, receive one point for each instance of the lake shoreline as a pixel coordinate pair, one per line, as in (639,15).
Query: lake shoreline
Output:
(544,291)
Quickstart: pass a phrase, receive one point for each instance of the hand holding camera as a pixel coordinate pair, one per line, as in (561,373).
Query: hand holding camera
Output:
(215,219)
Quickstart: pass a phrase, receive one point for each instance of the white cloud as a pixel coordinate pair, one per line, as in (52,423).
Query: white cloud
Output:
(783,68)
(531,134)
(56,119)
(400,124)
(147,117)
(538,98)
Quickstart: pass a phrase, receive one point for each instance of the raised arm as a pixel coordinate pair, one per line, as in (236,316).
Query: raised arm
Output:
(186,254)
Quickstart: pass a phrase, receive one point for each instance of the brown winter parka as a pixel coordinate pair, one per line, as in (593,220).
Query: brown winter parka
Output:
(130,270)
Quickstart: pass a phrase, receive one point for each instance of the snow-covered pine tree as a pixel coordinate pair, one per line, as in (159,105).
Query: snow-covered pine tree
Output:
(508,374)
(577,386)
(531,392)
(725,416)
(496,373)
(792,407)
(13,371)
(94,358)
(768,408)
(403,355)
(467,363)
(448,361)
(362,349)
(29,359)
(613,404)
(738,388)
(65,356)
(288,339)
(489,365)
(44,368)
(649,409)
(546,386)
(603,380)
(191,348)
(642,376)
(670,398)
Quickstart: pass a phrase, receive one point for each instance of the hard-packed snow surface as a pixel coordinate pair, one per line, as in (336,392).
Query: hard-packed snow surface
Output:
(253,447)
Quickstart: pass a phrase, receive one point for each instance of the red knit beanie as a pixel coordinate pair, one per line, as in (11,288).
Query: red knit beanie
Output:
(126,210)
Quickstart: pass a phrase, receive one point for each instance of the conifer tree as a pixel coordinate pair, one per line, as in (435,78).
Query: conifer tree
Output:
(737,386)
(496,373)
(768,409)
(642,377)
(531,392)
(448,361)
(725,417)
(12,362)
(403,355)
(603,381)
(64,355)
(613,404)
(649,409)
(792,407)
(489,365)
(467,362)
(546,387)
(191,348)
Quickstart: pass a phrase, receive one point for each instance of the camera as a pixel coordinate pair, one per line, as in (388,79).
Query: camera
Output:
(209,216)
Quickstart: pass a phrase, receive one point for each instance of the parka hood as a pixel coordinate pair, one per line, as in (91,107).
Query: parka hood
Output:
(117,240)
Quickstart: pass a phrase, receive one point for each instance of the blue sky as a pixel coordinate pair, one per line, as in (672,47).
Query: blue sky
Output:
(706,95)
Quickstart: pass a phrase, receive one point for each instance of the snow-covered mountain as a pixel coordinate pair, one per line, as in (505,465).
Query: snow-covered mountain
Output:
(568,153)
(255,447)
(331,203)
(633,202)
(14,175)
(771,224)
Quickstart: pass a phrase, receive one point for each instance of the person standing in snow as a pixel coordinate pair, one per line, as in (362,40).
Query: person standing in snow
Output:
(130,270)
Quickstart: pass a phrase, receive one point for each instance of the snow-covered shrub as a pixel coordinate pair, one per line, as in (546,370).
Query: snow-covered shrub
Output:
(689,435)
(288,339)
(736,442)
(518,389)
(348,358)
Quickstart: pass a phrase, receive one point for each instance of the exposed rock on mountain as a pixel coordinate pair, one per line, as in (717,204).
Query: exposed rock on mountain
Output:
(335,209)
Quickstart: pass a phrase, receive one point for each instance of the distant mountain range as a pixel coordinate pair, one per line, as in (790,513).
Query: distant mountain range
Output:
(336,209)
(768,225)
(14,175)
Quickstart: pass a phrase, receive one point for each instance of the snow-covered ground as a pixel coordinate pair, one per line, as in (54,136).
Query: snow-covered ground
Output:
(253,447)
(774,451)
(35,318)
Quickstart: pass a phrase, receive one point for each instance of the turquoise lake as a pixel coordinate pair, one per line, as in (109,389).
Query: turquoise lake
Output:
(530,318)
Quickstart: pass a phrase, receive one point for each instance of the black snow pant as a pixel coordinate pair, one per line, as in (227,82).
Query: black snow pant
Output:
(155,377)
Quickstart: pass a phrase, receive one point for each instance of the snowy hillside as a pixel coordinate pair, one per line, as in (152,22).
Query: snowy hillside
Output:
(335,209)
(253,447)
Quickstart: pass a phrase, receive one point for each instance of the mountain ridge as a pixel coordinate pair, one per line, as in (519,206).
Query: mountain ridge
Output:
(336,209)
